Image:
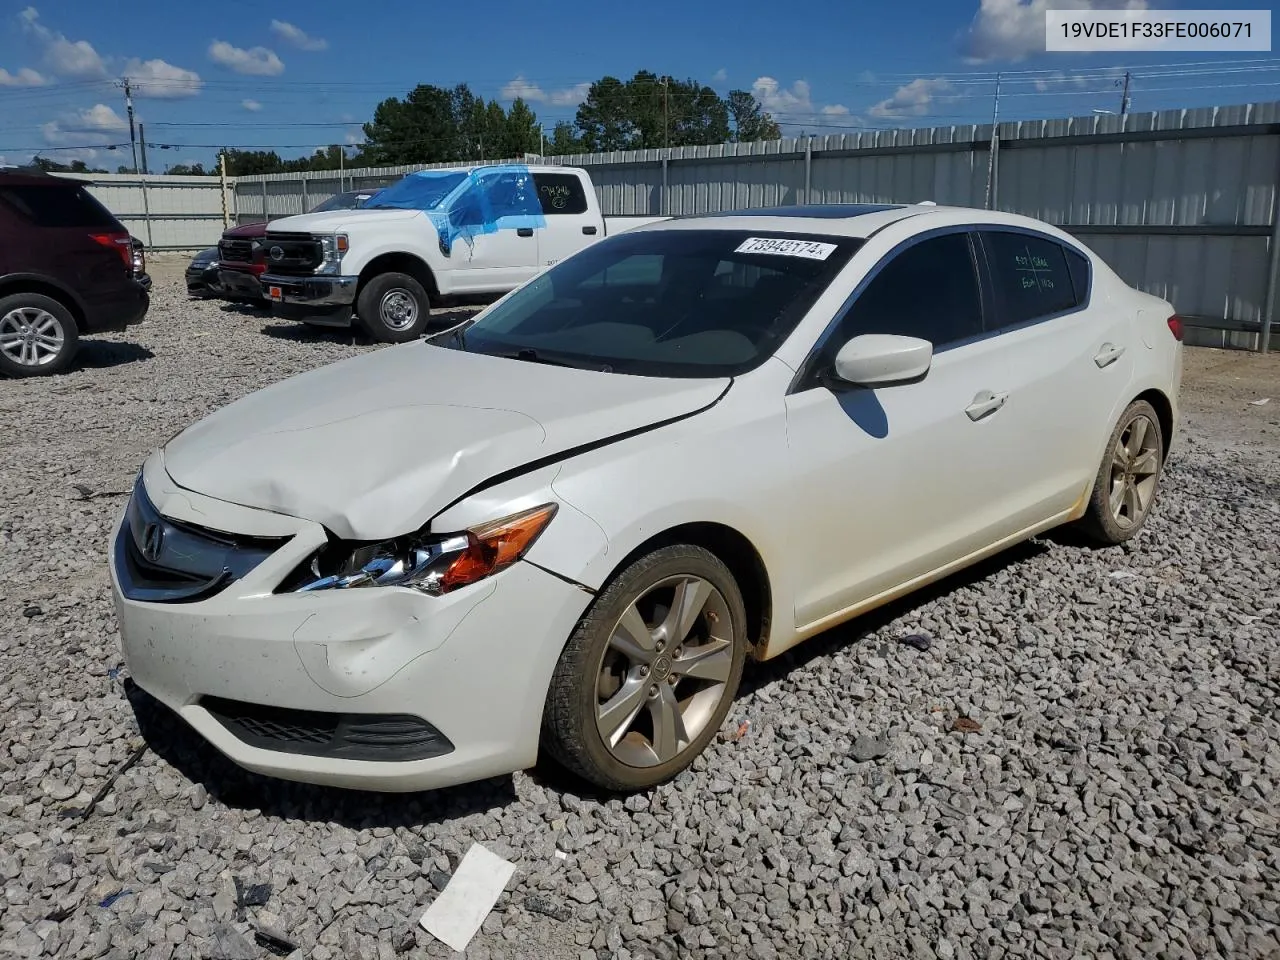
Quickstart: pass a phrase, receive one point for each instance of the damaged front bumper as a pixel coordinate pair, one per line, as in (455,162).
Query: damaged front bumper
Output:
(379,688)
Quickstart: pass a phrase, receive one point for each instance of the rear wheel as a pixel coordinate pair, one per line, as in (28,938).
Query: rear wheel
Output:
(394,308)
(1128,477)
(38,335)
(646,680)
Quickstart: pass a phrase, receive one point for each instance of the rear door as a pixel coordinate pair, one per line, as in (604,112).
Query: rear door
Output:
(571,224)
(896,481)
(1066,361)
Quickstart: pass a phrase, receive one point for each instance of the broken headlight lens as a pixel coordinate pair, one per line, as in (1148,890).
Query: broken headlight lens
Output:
(434,564)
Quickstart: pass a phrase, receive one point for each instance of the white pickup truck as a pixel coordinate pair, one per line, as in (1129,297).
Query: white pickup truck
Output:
(436,235)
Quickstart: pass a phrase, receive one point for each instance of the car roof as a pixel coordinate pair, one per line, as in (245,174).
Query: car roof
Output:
(855,220)
(27,177)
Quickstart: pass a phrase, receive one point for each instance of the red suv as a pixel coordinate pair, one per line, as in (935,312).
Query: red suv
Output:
(67,268)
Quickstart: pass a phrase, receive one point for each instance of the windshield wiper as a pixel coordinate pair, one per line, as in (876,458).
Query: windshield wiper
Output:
(528,353)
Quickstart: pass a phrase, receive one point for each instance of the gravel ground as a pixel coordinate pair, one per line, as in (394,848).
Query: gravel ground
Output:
(1082,759)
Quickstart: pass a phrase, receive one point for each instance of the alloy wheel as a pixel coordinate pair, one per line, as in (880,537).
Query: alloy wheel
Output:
(31,336)
(664,671)
(1135,465)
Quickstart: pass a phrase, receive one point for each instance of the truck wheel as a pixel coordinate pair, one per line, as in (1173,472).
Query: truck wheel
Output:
(38,335)
(394,308)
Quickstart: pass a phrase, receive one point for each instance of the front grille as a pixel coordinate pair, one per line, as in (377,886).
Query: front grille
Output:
(291,253)
(236,251)
(161,560)
(340,736)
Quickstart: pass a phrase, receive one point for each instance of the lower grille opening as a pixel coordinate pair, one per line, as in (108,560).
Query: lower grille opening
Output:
(340,736)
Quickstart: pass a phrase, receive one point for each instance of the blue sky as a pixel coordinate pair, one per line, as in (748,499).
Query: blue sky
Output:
(228,73)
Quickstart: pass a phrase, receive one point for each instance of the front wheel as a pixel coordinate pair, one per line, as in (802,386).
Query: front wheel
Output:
(1128,477)
(650,673)
(394,308)
(38,335)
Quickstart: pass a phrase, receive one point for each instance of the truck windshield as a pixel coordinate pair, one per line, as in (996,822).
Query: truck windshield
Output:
(418,191)
(665,303)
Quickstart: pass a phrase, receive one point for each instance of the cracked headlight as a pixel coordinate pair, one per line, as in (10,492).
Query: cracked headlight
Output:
(432,563)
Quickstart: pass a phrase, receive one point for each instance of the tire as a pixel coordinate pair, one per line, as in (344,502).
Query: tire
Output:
(38,335)
(394,308)
(1132,465)
(648,686)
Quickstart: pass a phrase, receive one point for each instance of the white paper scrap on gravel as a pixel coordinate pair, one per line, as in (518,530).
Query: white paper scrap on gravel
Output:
(467,898)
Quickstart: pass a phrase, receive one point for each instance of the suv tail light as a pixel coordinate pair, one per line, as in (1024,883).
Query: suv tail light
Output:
(1175,327)
(122,243)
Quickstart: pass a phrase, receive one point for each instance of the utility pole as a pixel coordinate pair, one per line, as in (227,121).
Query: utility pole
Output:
(989,199)
(133,139)
(142,142)
(666,112)
(342,164)
(1124,97)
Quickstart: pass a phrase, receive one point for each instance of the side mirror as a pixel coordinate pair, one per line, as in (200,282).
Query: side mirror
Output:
(877,358)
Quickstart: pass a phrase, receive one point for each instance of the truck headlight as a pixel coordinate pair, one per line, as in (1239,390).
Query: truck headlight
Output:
(332,247)
(432,563)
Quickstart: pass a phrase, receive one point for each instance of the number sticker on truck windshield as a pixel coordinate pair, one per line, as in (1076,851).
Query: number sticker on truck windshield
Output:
(809,249)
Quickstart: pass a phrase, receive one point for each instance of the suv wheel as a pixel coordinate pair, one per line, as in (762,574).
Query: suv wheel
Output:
(38,335)
(394,308)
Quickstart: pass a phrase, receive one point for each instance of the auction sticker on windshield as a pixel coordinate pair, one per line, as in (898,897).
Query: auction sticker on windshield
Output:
(810,249)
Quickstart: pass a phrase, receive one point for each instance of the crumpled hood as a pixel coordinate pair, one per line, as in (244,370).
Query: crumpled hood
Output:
(373,446)
(337,221)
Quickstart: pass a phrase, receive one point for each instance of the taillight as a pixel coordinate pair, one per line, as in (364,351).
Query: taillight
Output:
(122,243)
(1175,327)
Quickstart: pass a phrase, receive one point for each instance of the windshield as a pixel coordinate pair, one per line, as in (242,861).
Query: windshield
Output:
(344,201)
(666,303)
(418,191)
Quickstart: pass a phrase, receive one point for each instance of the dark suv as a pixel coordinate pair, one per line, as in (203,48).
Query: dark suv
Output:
(67,267)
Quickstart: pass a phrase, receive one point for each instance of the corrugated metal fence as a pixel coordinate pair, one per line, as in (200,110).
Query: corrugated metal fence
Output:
(165,213)
(1181,202)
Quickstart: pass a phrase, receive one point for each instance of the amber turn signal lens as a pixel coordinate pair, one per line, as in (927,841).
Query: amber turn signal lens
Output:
(496,545)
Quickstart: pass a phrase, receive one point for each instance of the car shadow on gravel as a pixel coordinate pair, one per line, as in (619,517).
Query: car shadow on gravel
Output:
(104,354)
(193,757)
(824,644)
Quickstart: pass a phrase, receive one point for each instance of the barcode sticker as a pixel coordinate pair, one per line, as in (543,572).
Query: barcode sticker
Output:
(778,246)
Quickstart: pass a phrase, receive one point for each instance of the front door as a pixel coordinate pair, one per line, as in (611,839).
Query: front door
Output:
(495,226)
(901,479)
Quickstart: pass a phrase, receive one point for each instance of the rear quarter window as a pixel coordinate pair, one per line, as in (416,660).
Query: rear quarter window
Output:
(59,206)
(1030,275)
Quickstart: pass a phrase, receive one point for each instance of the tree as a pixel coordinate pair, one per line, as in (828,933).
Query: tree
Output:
(75,166)
(421,128)
(523,134)
(248,163)
(564,139)
(188,170)
(650,111)
(748,118)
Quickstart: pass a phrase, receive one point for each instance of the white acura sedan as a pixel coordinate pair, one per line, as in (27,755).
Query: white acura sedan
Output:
(566,523)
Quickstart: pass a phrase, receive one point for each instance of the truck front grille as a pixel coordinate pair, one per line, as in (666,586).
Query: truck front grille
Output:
(291,253)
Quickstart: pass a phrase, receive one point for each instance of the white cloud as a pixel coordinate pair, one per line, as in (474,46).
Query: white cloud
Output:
(256,61)
(354,139)
(25,77)
(778,100)
(1014,29)
(835,110)
(910,100)
(84,126)
(67,58)
(720,76)
(253,106)
(297,36)
(532,93)
(160,80)
(1061,81)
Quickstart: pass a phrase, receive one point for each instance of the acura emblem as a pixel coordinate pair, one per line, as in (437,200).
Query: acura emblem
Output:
(152,541)
(276,253)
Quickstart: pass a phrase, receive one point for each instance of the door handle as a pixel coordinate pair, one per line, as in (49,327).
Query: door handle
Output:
(589,231)
(985,404)
(1109,354)
(524,231)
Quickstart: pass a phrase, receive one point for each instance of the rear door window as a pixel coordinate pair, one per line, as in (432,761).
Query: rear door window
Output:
(1030,276)
(560,193)
(59,206)
(929,290)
